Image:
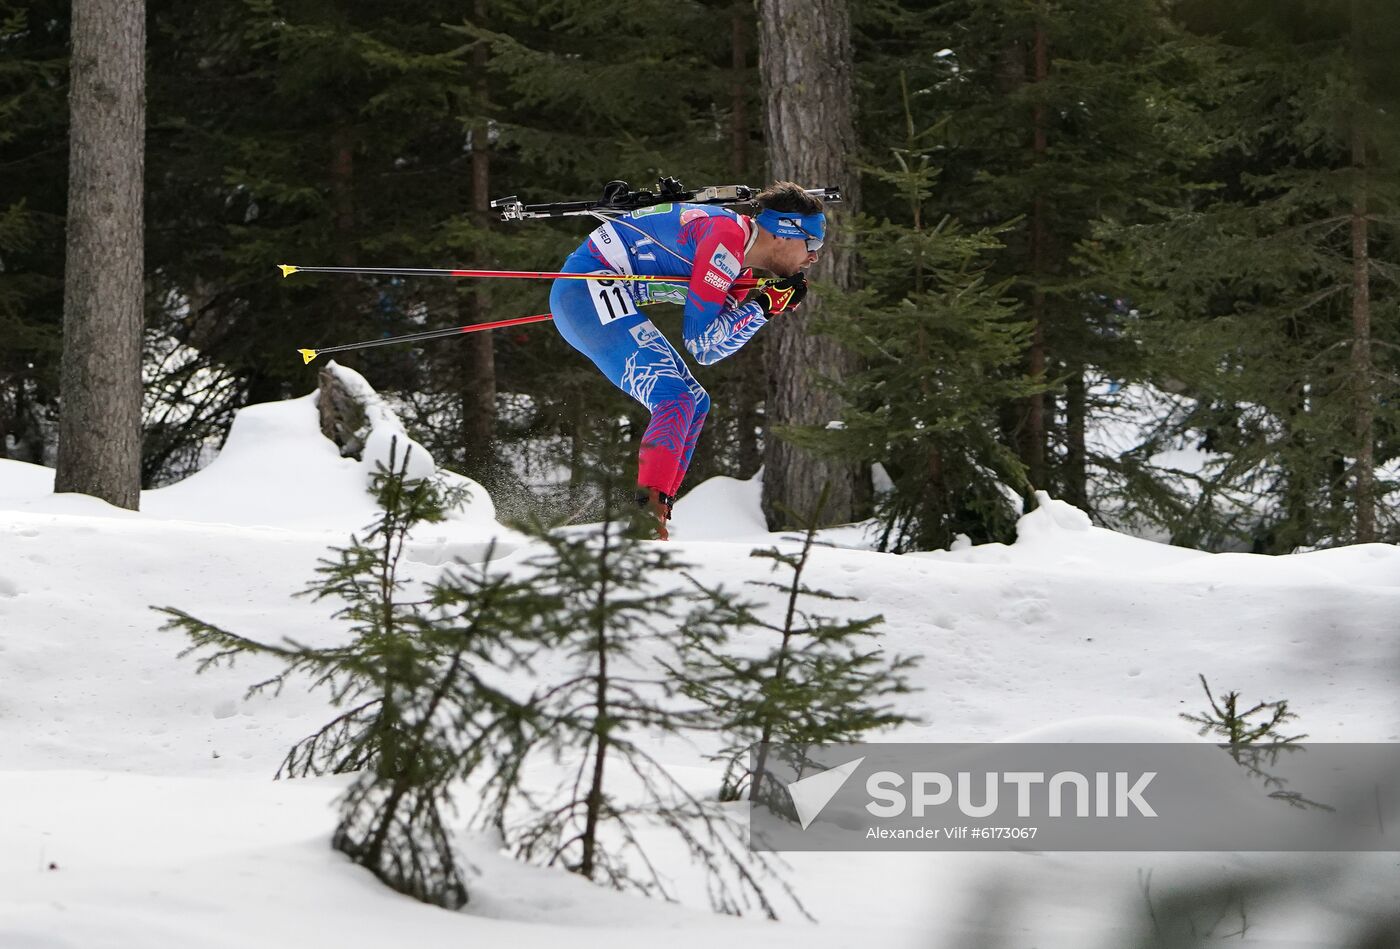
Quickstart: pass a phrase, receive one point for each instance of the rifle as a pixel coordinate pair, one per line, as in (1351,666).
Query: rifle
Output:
(619,198)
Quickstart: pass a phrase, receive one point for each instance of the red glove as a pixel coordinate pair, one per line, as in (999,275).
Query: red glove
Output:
(784,295)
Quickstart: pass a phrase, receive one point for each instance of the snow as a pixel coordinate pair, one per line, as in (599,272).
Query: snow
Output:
(139,810)
(723,509)
(272,471)
(24,482)
(1058,535)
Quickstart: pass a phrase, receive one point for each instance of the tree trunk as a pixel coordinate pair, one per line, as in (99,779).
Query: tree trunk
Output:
(602,722)
(1033,443)
(99,451)
(477,392)
(741,19)
(749,415)
(1076,478)
(478,364)
(343,223)
(751,382)
(935,523)
(805,63)
(1364,420)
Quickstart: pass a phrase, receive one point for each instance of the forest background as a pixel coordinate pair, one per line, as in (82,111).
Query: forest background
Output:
(1066,217)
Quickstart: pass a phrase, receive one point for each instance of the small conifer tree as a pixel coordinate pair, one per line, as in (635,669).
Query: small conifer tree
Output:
(941,343)
(1238,726)
(417,715)
(812,682)
(623,609)
(431,694)
(1256,744)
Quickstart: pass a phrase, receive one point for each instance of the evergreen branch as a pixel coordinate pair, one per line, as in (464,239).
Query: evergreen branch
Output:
(300,760)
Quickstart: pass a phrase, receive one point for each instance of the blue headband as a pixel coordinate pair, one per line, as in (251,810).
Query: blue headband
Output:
(791,224)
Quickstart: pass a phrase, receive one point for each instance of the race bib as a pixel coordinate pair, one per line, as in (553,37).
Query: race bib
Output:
(611,301)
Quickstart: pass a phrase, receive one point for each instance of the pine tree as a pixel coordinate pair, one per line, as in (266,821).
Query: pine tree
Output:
(33,126)
(1268,296)
(592,102)
(418,715)
(813,681)
(303,133)
(425,684)
(624,608)
(202,355)
(1225,719)
(809,93)
(940,343)
(1060,113)
(99,443)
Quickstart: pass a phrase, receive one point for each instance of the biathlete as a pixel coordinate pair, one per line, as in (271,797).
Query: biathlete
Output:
(709,249)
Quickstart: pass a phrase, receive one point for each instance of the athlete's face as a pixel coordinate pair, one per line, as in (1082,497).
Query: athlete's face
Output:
(791,255)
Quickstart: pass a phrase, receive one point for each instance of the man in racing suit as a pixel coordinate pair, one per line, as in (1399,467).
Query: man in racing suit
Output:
(707,249)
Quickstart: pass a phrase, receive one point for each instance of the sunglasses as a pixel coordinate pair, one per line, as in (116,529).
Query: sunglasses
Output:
(813,242)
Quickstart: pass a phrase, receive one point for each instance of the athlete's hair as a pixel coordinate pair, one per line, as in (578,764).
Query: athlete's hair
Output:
(786,196)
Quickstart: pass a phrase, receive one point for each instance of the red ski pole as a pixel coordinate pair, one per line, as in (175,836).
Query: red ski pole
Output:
(289,269)
(309,354)
(745,284)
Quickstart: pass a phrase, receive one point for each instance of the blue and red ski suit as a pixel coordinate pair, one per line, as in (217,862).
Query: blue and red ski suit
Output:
(702,246)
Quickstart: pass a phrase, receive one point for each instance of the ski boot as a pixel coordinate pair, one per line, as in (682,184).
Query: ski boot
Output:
(658,504)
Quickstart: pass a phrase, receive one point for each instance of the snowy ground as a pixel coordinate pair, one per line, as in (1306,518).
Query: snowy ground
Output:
(138,808)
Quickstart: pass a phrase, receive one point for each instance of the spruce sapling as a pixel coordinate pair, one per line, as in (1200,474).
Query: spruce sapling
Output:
(1235,726)
(622,606)
(813,682)
(418,716)
(940,342)
(1256,746)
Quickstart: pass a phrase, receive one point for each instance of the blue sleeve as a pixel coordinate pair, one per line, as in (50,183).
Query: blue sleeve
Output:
(725,333)
(717,325)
